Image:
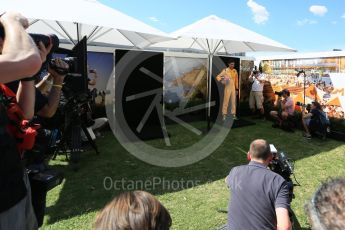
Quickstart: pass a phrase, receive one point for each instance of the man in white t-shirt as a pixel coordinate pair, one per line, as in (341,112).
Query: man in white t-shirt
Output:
(256,97)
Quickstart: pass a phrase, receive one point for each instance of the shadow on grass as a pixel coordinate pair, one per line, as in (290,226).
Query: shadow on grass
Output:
(89,189)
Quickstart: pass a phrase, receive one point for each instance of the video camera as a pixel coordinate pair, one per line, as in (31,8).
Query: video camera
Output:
(51,62)
(47,40)
(299,72)
(255,70)
(279,93)
(283,166)
(72,66)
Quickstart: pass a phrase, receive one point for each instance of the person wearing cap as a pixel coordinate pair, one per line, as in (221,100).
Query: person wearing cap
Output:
(286,108)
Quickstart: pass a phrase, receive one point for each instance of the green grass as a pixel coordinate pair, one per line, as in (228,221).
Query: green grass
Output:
(74,204)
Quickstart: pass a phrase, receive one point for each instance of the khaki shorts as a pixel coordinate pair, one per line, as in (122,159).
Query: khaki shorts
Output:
(256,98)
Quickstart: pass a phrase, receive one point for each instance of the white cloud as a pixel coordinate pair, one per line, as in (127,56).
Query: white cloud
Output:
(260,13)
(154,19)
(343,15)
(318,10)
(306,21)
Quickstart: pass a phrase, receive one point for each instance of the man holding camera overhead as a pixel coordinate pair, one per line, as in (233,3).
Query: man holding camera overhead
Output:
(256,97)
(20,59)
(51,84)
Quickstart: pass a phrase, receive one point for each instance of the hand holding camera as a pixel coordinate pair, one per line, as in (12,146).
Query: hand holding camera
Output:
(58,70)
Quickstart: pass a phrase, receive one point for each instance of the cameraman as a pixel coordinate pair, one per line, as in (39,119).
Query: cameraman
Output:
(285,108)
(19,58)
(313,120)
(48,94)
(259,197)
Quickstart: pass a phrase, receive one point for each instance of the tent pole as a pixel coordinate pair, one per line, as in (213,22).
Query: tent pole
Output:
(209,83)
(64,30)
(78,32)
(93,32)
(216,49)
(197,42)
(209,91)
(303,88)
(134,45)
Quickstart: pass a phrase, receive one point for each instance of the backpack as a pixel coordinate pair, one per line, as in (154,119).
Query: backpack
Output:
(324,119)
(13,122)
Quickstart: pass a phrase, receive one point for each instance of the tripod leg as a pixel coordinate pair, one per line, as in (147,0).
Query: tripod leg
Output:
(294,221)
(92,142)
(61,147)
(75,143)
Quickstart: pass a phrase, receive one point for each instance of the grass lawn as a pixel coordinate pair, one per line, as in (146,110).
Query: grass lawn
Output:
(195,204)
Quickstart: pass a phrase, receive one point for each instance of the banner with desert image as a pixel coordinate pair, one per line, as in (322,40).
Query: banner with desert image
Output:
(185,86)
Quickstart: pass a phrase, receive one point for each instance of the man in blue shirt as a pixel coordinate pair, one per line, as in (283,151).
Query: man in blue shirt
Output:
(259,197)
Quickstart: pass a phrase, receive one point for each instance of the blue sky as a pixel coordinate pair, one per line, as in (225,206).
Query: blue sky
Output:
(306,25)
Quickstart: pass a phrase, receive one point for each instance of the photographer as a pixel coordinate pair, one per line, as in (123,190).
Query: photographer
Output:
(19,58)
(315,120)
(259,197)
(47,94)
(256,97)
(48,104)
(285,108)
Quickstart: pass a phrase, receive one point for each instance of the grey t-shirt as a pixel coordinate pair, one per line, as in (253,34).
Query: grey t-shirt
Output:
(255,194)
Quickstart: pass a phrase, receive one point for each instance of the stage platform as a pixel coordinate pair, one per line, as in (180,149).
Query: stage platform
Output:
(242,122)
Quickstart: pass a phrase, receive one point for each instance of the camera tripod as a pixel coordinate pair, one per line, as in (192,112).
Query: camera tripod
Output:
(71,133)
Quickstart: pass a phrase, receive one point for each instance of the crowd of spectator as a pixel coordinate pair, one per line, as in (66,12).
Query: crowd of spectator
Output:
(325,89)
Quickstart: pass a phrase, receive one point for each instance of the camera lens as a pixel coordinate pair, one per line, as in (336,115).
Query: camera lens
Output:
(46,40)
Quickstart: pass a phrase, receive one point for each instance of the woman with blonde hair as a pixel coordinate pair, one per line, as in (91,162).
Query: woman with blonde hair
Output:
(132,211)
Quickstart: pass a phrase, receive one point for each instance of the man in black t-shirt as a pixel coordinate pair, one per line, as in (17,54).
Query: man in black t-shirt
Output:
(259,197)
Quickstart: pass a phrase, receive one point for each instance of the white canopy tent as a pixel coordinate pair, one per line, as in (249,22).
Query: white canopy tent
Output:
(72,20)
(213,35)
